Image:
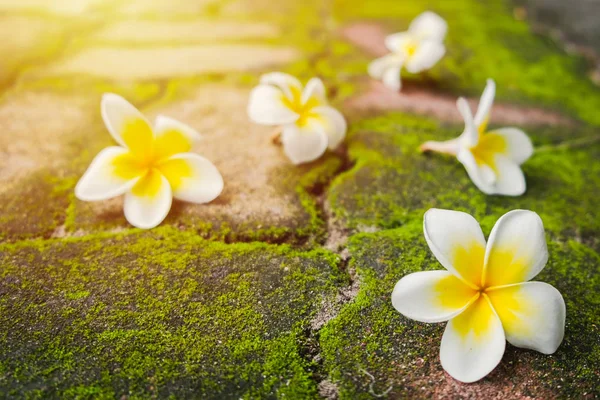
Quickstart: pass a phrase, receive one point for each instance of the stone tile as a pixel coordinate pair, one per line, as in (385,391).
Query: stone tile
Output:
(43,135)
(370,349)
(141,31)
(265,196)
(40,130)
(163,7)
(67,7)
(392,183)
(416,99)
(31,38)
(163,62)
(159,314)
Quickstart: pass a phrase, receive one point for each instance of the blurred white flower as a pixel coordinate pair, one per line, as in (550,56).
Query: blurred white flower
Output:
(492,159)
(417,49)
(150,166)
(308,124)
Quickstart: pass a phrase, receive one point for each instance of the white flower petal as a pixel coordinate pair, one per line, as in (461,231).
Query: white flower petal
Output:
(192,178)
(334,125)
(304,144)
(379,66)
(427,55)
(314,88)
(429,25)
(126,124)
(456,240)
(518,144)
(283,81)
(532,314)
(516,251)
(100,182)
(149,201)
(510,180)
(431,296)
(266,106)
(485,105)
(470,136)
(473,343)
(391,78)
(397,42)
(482,175)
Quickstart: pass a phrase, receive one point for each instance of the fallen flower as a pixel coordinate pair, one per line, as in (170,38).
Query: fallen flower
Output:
(308,124)
(150,166)
(417,49)
(484,292)
(492,159)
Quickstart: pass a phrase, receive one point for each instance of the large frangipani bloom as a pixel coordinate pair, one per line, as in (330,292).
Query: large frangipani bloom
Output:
(308,124)
(150,166)
(492,159)
(417,49)
(485,292)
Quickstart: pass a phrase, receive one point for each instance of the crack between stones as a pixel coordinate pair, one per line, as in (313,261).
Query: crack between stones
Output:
(335,240)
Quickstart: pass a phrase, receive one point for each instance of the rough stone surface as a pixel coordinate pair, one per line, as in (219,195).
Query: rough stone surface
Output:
(31,39)
(263,190)
(370,349)
(93,308)
(158,314)
(136,31)
(162,62)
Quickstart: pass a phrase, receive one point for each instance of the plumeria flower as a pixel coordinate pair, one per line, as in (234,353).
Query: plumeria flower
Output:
(150,166)
(308,124)
(485,292)
(492,159)
(417,49)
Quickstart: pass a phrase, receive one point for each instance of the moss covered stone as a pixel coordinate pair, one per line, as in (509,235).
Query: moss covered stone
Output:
(369,337)
(392,183)
(485,40)
(158,314)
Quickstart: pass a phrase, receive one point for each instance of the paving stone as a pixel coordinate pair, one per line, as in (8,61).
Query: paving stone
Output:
(370,349)
(48,136)
(159,314)
(31,38)
(40,128)
(265,196)
(140,31)
(67,7)
(164,7)
(163,62)
(43,134)
(122,313)
(392,183)
(376,98)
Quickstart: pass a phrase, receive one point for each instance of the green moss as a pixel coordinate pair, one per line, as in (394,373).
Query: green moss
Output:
(485,41)
(369,335)
(392,183)
(158,314)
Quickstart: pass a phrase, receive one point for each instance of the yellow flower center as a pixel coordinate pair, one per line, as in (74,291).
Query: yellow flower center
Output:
(484,290)
(303,109)
(488,146)
(410,47)
(148,158)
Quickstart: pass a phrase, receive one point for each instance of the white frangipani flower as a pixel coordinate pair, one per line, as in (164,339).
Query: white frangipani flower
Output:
(150,166)
(417,49)
(492,159)
(308,124)
(485,292)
